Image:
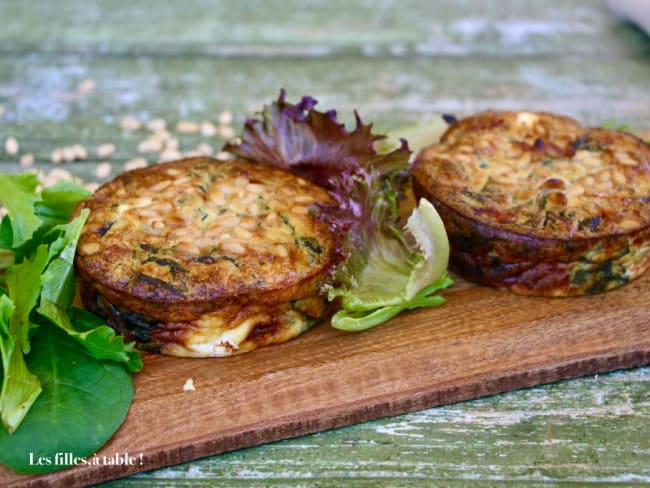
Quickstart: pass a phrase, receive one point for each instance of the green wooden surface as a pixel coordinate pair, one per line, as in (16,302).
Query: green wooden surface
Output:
(398,63)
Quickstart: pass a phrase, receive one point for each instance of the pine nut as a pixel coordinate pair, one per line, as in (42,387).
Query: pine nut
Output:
(103,170)
(226,131)
(105,150)
(625,159)
(300,210)
(248,223)
(187,127)
(86,86)
(11,146)
(629,224)
(242,233)
(188,248)
(170,155)
(135,164)
(27,160)
(255,187)
(254,209)
(233,247)
(303,199)
(204,149)
(56,156)
(271,219)
(90,248)
(217,197)
(208,129)
(161,185)
(240,181)
(229,222)
(281,251)
(130,123)
(225,117)
(150,145)
(156,124)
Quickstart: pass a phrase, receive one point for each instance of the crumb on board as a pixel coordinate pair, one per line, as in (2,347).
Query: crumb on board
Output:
(189,385)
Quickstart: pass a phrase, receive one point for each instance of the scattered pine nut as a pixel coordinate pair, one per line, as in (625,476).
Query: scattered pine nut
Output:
(172,143)
(91,187)
(68,153)
(79,152)
(130,123)
(208,129)
(156,124)
(226,131)
(150,145)
(187,127)
(11,145)
(170,154)
(86,86)
(162,135)
(27,160)
(222,155)
(225,117)
(103,170)
(204,149)
(56,156)
(105,150)
(135,163)
(54,176)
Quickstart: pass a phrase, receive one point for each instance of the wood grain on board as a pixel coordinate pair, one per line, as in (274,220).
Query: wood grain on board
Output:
(482,341)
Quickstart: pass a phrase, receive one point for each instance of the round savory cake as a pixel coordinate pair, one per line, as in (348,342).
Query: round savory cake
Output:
(201,257)
(538,204)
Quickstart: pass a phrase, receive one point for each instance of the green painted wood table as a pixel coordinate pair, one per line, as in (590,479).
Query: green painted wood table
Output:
(77,79)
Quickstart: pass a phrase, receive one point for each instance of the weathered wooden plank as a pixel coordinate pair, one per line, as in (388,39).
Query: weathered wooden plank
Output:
(317,28)
(590,430)
(44,110)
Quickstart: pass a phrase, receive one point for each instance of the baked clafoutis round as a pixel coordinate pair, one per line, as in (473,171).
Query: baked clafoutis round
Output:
(200,257)
(539,204)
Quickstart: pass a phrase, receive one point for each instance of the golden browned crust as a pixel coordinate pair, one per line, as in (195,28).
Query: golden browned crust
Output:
(197,233)
(536,203)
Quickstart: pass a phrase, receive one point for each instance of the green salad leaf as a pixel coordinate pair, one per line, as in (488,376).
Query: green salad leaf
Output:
(397,276)
(20,387)
(18,197)
(386,265)
(82,404)
(57,361)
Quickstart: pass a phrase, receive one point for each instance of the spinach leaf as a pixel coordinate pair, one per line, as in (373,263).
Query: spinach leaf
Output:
(59,201)
(83,402)
(99,340)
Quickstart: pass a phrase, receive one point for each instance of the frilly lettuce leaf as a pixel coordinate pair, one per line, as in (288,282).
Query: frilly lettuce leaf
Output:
(386,265)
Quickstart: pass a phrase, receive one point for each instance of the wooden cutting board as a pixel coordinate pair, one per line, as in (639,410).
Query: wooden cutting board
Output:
(482,341)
